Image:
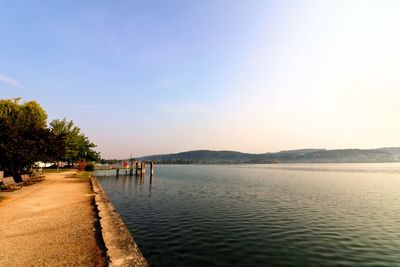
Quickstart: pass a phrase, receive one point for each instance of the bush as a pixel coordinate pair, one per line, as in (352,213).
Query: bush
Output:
(89,167)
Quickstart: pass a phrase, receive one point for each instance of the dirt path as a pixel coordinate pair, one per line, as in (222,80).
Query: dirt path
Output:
(49,223)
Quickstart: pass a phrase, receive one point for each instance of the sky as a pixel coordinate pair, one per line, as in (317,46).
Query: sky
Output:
(152,77)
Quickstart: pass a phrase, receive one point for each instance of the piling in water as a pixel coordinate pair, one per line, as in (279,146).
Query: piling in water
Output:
(151,168)
(143,167)
(136,168)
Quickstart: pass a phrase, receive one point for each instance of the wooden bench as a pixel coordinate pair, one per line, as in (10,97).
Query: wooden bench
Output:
(26,179)
(36,176)
(10,184)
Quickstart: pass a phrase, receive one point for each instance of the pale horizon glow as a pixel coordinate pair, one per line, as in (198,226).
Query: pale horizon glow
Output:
(254,76)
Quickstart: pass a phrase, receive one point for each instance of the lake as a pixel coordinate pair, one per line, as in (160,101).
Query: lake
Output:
(263,215)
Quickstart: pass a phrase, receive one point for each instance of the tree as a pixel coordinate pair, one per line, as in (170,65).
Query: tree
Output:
(56,147)
(24,137)
(78,146)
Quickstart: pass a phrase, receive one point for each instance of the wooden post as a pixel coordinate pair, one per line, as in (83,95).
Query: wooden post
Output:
(143,167)
(117,172)
(142,171)
(133,162)
(136,168)
(152,168)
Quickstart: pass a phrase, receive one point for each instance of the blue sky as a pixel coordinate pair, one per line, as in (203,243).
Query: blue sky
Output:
(146,77)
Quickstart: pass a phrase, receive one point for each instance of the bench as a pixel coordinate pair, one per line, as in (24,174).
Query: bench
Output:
(36,176)
(26,179)
(10,184)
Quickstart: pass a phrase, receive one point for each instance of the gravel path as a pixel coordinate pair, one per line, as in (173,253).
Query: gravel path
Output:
(50,223)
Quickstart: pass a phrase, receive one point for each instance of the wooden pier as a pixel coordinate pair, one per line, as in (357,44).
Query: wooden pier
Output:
(135,168)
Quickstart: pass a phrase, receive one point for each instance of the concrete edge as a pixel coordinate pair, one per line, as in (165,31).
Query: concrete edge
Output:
(122,250)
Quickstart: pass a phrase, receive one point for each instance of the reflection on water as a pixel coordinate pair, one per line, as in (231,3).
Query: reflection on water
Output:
(263,215)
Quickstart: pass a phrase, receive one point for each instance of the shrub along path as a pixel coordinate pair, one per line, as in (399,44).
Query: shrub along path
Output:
(50,223)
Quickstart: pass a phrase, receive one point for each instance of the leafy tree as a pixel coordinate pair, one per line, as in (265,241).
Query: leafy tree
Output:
(56,147)
(24,137)
(78,146)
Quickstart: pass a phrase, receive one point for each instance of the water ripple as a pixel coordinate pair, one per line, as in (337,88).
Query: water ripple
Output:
(263,216)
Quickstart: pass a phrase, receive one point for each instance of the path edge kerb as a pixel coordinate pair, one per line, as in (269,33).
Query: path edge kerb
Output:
(122,250)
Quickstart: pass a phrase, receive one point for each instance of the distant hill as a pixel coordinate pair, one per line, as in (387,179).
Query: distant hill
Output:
(391,154)
(390,150)
(301,151)
(203,156)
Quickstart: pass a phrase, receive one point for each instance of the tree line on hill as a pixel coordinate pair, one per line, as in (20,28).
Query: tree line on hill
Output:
(386,154)
(290,156)
(26,138)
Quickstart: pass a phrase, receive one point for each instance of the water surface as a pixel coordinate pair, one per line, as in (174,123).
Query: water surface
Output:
(263,215)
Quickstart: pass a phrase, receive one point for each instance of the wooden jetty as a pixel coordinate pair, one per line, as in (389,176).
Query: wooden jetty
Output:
(135,168)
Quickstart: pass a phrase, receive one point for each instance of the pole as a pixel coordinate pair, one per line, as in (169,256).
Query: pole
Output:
(152,168)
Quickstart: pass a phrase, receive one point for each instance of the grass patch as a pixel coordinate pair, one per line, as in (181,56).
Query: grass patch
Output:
(81,175)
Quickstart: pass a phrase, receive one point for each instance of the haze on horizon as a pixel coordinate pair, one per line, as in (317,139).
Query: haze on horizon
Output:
(154,77)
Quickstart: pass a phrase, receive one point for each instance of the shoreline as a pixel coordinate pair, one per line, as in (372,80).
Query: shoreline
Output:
(64,221)
(120,246)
